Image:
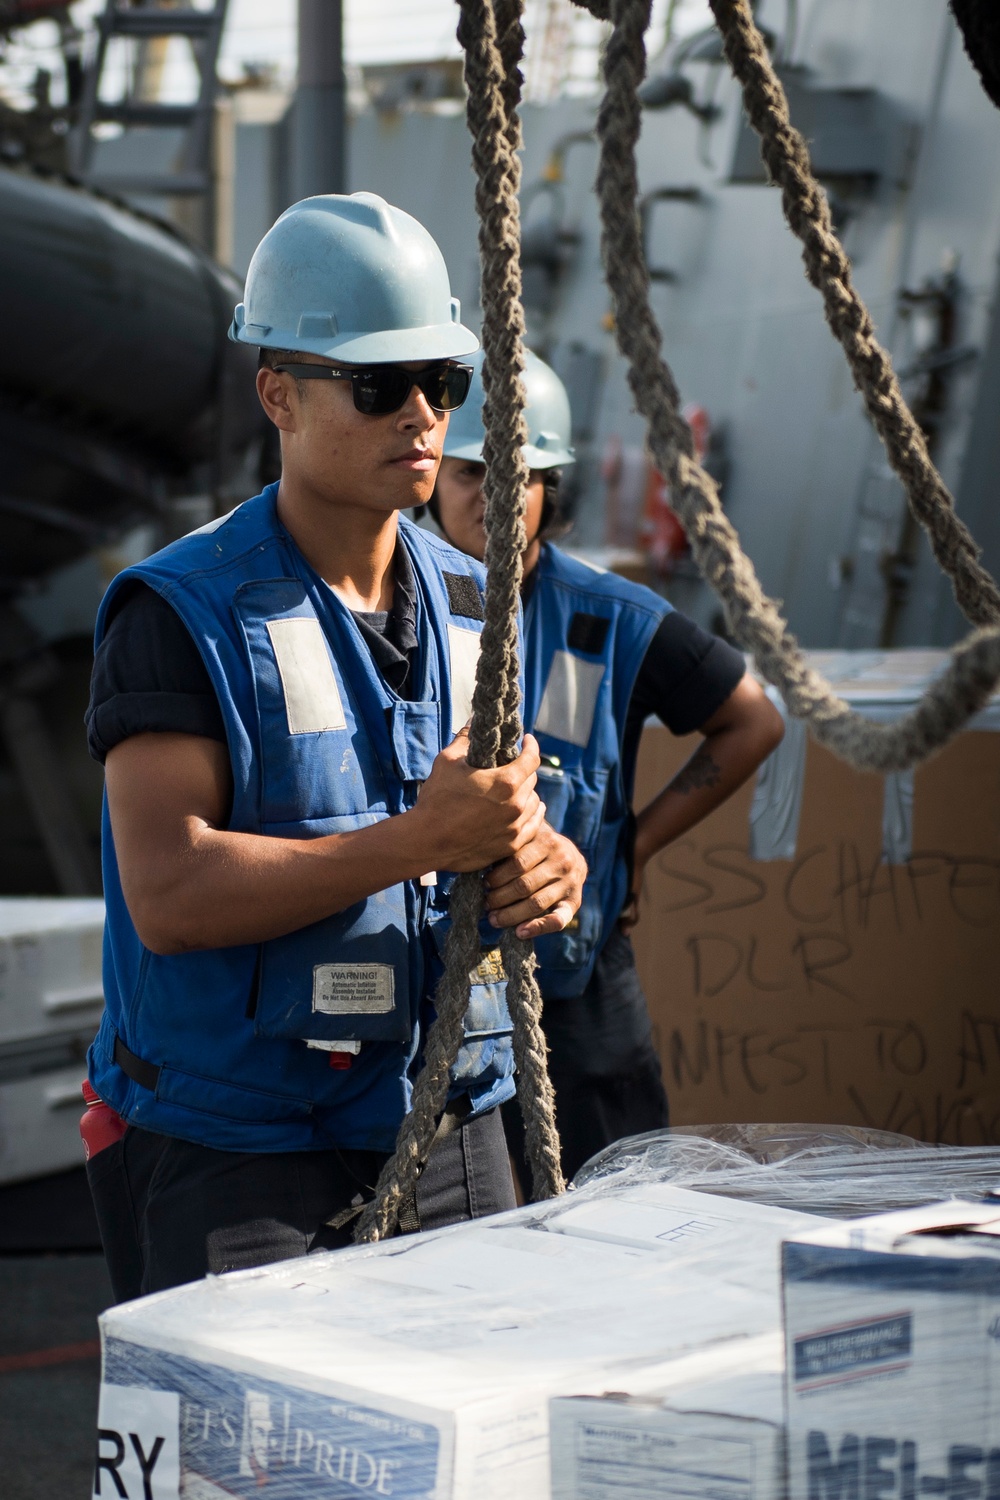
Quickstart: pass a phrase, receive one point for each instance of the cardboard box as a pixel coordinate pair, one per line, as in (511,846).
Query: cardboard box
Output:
(824,947)
(424,1366)
(892,1342)
(692,1434)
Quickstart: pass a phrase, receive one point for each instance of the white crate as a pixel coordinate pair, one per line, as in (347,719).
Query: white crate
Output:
(51,999)
(50,965)
(39,1124)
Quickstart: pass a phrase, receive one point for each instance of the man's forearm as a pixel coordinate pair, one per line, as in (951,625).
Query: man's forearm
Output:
(720,765)
(224,889)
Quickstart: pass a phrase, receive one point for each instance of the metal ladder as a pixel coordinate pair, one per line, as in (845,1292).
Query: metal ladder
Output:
(148,21)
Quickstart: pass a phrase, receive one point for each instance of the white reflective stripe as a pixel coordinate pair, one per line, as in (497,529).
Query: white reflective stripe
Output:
(312,699)
(570,698)
(214,524)
(464,647)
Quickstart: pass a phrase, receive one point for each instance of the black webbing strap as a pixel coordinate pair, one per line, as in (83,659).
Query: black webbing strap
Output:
(146,1075)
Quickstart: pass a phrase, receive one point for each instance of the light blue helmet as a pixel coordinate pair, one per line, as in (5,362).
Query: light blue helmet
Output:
(546,412)
(351,278)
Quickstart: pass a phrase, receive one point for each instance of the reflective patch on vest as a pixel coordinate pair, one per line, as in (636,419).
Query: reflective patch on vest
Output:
(353,989)
(213,525)
(312,698)
(464,647)
(570,699)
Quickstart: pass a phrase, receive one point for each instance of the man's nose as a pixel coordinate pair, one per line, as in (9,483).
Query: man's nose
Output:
(416,413)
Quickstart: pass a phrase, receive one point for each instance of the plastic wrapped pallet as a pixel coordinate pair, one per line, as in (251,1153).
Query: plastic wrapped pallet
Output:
(424,1366)
(711,1427)
(839,1171)
(892,1330)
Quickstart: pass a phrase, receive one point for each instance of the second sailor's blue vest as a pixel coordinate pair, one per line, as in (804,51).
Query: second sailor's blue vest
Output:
(319,744)
(586,633)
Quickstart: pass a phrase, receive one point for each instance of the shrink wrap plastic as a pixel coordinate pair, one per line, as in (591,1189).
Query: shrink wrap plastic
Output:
(423,1366)
(838,1171)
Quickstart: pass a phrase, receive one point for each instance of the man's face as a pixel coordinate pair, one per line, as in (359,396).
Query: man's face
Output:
(381,463)
(462,506)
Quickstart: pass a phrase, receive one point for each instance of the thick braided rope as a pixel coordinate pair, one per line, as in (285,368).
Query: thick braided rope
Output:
(491,68)
(755,619)
(399,1175)
(829,270)
(494,41)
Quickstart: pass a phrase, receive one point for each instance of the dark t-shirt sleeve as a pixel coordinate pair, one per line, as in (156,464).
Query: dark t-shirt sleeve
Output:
(686,676)
(149,677)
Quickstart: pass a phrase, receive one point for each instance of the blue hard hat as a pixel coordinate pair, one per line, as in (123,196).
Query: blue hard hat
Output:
(546,412)
(351,278)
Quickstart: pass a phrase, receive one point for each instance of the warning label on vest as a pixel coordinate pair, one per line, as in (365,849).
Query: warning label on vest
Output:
(353,989)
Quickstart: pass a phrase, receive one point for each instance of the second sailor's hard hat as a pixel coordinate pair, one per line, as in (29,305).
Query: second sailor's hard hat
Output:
(354,279)
(546,412)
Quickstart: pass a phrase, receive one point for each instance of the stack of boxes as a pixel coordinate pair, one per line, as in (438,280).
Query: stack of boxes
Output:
(624,1343)
(425,1366)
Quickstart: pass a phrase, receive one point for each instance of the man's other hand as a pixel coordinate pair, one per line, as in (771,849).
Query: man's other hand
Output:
(538,889)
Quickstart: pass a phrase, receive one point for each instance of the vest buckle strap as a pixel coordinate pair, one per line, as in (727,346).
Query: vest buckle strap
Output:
(145,1074)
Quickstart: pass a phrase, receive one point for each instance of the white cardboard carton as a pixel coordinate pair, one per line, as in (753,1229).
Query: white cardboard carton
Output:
(892,1331)
(710,1427)
(424,1366)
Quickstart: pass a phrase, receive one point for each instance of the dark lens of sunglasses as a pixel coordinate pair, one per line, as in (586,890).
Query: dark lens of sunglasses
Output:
(451,389)
(378,392)
(381,391)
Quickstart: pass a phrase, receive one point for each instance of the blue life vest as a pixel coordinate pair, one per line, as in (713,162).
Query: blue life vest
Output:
(319,744)
(586,633)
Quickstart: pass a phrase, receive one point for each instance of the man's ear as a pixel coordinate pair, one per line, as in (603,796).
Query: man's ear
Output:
(279,397)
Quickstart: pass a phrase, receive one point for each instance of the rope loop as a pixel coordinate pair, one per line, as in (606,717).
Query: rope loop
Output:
(754,619)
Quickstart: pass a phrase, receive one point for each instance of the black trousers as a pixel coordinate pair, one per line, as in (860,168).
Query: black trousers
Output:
(604,1068)
(171,1211)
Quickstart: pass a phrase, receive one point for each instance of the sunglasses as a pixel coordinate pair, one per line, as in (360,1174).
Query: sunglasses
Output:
(382,389)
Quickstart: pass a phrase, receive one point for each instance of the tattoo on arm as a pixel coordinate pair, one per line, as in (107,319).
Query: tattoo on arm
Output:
(701,771)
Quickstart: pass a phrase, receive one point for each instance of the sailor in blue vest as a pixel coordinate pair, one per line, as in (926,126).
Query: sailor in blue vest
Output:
(280,700)
(601,655)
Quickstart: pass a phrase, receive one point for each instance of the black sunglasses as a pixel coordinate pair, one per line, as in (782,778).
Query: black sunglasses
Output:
(382,389)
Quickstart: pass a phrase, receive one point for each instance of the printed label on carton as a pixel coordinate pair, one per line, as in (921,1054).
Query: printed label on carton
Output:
(244,1435)
(137,1445)
(851,1467)
(852,1351)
